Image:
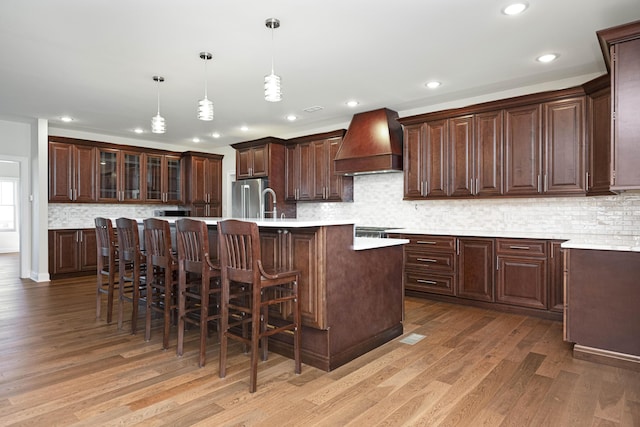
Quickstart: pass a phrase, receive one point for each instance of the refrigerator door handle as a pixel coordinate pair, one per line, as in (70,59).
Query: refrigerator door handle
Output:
(245,200)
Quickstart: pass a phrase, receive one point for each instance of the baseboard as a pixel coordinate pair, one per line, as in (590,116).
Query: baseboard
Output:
(607,357)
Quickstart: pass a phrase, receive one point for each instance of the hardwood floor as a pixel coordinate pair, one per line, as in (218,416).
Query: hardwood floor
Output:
(475,367)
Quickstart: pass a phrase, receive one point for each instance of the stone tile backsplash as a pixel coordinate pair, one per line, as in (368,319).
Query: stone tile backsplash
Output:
(378,202)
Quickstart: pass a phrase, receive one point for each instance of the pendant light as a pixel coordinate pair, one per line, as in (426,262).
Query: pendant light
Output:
(272,89)
(205,107)
(157,122)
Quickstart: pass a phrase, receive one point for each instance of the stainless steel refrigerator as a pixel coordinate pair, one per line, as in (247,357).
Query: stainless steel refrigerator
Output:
(246,198)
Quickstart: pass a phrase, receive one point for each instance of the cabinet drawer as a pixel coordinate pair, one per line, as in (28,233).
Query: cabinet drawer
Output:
(433,283)
(524,247)
(438,261)
(439,243)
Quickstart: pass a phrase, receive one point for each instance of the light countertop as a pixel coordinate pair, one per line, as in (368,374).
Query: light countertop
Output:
(608,242)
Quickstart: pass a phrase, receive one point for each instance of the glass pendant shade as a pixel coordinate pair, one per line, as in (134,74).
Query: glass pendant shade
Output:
(272,89)
(157,124)
(205,106)
(205,109)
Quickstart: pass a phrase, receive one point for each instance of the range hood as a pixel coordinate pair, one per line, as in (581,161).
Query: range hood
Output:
(372,144)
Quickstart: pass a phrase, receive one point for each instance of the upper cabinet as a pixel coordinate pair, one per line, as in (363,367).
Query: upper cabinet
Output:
(252,162)
(525,146)
(204,192)
(309,169)
(90,172)
(599,135)
(72,172)
(621,49)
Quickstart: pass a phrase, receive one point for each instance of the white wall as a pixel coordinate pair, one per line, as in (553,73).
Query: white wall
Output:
(378,202)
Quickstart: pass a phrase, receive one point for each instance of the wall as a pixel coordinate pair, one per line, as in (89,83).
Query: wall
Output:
(378,202)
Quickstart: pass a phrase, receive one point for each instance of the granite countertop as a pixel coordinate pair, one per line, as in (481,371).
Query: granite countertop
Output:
(609,242)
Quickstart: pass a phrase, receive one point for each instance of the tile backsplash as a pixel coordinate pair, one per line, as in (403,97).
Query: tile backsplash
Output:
(378,202)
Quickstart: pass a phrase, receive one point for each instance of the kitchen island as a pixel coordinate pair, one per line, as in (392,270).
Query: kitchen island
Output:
(350,288)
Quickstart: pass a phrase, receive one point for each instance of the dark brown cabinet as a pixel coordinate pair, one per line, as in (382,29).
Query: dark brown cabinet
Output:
(523,151)
(430,264)
(163,179)
(72,173)
(309,169)
(488,153)
(621,49)
(475,268)
(204,175)
(425,157)
(556,276)
(72,252)
(252,162)
(599,136)
(521,277)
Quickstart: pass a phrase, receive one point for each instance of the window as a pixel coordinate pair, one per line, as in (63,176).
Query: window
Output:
(8,200)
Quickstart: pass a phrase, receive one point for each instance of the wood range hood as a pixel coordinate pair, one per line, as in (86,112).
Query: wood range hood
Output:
(372,144)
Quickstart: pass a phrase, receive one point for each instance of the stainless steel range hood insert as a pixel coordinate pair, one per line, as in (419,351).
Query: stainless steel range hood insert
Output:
(372,144)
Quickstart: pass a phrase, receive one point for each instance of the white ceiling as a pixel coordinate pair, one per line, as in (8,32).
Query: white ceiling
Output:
(94,59)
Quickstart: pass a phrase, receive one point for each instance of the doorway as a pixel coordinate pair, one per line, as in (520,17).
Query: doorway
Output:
(14,211)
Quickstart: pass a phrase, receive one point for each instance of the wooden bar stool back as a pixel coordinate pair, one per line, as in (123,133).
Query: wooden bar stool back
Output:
(241,263)
(162,275)
(198,282)
(132,269)
(107,263)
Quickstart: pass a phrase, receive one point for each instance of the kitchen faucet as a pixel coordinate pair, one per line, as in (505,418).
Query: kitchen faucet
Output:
(274,212)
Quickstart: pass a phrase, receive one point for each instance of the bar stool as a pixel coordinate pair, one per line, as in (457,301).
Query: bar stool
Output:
(241,263)
(132,269)
(106,264)
(162,275)
(198,282)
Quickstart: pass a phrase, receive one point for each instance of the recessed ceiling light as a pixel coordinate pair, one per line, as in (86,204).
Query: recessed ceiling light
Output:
(215,135)
(433,84)
(66,119)
(547,57)
(244,128)
(515,8)
(138,130)
(196,140)
(352,103)
(291,117)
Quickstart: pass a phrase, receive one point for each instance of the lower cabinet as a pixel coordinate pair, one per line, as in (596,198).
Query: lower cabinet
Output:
(72,252)
(475,268)
(510,274)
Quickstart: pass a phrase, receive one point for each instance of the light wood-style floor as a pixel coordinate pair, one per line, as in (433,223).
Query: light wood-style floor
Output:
(61,366)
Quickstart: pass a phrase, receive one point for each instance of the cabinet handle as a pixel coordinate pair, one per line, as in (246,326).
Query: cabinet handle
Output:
(428,282)
(422,188)
(477,187)
(426,260)
(546,183)
(457,247)
(586,181)
(425,242)
(539,184)
(526,248)
(497,263)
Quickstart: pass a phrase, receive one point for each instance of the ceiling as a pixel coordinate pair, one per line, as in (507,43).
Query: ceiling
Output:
(95,60)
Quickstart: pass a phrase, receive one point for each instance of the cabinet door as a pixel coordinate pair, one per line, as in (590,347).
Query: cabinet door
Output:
(306,257)
(197,180)
(153,178)
(523,151)
(414,158)
(213,177)
(564,171)
(63,251)
(108,175)
(522,281)
(87,250)
(72,175)
(320,170)
(131,176)
(626,127)
(306,187)
(260,166)
(292,172)
(599,119)
(244,163)
(475,268)
(460,156)
(436,179)
(172,180)
(556,277)
(488,154)
(334,182)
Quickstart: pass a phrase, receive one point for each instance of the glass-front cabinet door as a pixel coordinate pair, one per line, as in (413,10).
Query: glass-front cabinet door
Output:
(131,176)
(174,182)
(108,187)
(154,178)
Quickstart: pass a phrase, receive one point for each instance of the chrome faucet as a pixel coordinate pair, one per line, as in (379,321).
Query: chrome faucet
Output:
(274,212)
